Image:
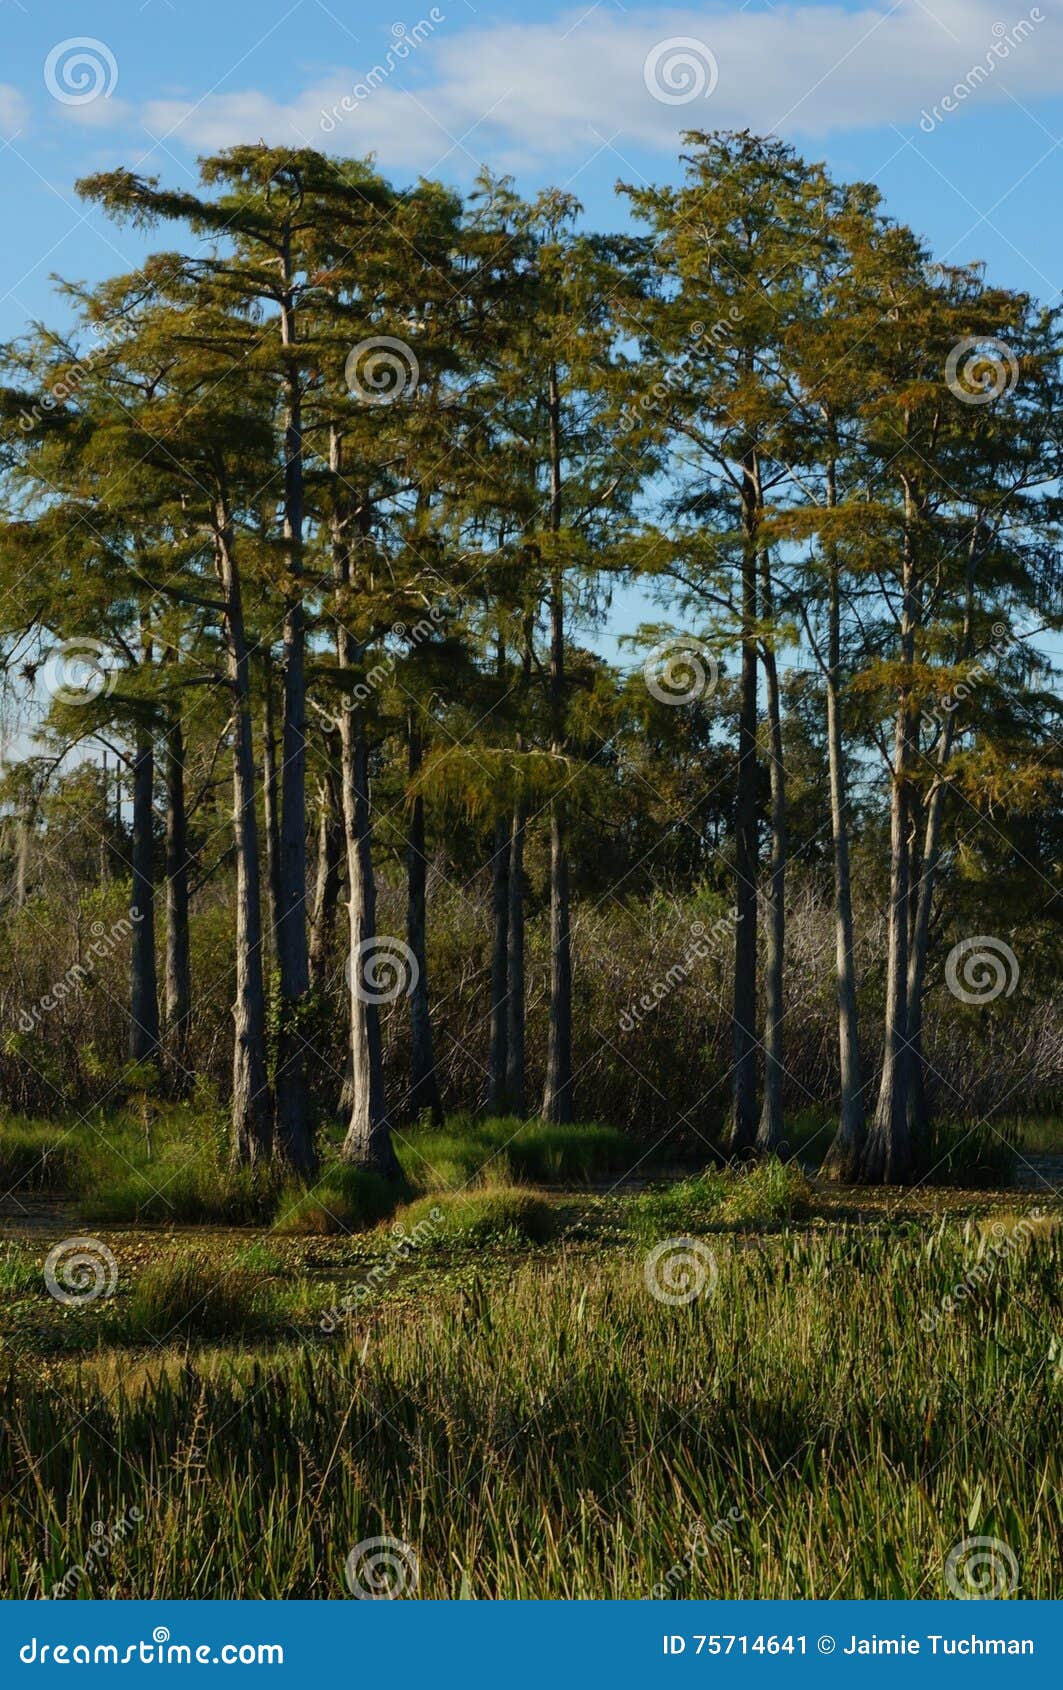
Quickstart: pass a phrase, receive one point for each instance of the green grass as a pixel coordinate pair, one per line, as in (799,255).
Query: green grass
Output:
(191,1296)
(477,1218)
(765,1194)
(38,1156)
(554,1431)
(19,1273)
(497,1151)
(340,1199)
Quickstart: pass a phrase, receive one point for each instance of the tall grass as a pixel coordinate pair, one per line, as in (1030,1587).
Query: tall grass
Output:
(813,1424)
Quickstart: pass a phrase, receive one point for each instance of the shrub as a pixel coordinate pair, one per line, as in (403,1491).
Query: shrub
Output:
(768,1192)
(473,1218)
(344,1199)
(189,1295)
(500,1150)
(959,1154)
(37,1156)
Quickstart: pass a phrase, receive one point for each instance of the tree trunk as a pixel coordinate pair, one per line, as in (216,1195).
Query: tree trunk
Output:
(327,887)
(497,1061)
(368,1138)
(424,1081)
(271,812)
(251,1104)
(144,994)
(515,1101)
(887,1154)
(742,1130)
(294,1135)
(178,954)
(843,1158)
(771,1132)
(919,1121)
(557,1091)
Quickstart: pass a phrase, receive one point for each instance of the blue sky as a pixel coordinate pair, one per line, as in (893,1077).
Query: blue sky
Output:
(554,93)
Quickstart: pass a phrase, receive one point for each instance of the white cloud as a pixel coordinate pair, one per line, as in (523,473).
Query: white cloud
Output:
(12,110)
(550,89)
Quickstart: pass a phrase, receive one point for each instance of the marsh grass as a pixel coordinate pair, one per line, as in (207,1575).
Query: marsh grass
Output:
(764,1193)
(475,1218)
(559,1433)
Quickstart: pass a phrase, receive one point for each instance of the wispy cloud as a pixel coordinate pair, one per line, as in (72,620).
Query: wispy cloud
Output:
(547,90)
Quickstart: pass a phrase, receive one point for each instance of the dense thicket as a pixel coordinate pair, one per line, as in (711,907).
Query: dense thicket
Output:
(338,813)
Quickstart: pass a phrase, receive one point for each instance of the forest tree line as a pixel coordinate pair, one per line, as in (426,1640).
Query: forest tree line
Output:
(330,499)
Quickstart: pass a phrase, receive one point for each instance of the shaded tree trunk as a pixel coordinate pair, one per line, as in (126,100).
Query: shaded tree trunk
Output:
(178,952)
(887,1154)
(294,1136)
(557,1091)
(843,1158)
(271,810)
(497,1060)
(771,1131)
(327,886)
(144,994)
(367,1143)
(424,1080)
(515,1100)
(743,1123)
(251,1102)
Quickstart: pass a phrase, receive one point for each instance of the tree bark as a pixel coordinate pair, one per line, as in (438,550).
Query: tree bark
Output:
(367,1143)
(144,993)
(178,951)
(424,1080)
(843,1158)
(919,1121)
(887,1154)
(771,1131)
(294,1136)
(742,1130)
(497,1061)
(251,1102)
(327,885)
(557,1091)
(515,1100)
(271,811)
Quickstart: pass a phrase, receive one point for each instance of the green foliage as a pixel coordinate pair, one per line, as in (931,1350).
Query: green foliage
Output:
(18,1272)
(471,1150)
(342,1199)
(36,1156)
(476,1218)
(764,1193)
(189,1296)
